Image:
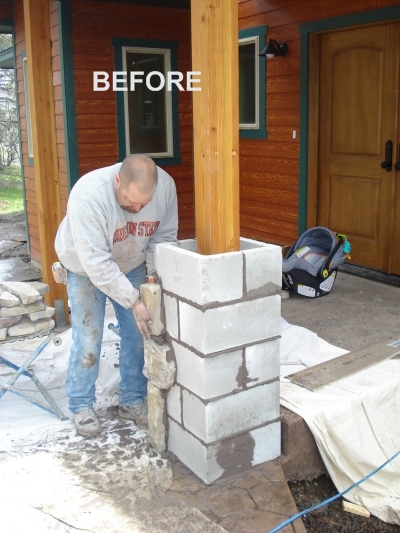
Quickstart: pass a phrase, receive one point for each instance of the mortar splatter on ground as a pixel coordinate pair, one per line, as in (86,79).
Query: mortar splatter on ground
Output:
(114,483)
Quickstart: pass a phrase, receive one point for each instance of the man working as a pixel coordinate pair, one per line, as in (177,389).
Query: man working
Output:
(115,216)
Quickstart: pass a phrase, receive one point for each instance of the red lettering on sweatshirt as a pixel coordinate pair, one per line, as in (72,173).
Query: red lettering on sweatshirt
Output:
(146,229)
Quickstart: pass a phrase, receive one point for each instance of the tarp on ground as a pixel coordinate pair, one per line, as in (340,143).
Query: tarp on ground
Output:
(355,421)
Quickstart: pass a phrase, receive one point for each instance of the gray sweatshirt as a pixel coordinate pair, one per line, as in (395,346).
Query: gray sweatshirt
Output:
(100,240)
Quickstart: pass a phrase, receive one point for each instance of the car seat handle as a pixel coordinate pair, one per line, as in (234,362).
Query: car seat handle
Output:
(324,271)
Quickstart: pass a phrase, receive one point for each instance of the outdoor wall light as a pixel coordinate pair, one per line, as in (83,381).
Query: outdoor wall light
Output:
(274,49)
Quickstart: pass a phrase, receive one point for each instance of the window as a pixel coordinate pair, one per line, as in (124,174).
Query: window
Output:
(252,83)
(27,108)
(147,119)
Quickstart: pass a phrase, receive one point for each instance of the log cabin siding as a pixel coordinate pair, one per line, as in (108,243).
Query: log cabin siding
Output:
(58,104)
(94,24)
(269,169)
(5,11)
(29,170)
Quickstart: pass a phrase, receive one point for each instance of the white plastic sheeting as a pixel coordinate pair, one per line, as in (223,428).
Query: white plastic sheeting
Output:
(355,421)
(24,426)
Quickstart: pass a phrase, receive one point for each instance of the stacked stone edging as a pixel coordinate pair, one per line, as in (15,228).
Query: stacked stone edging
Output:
(223,318)
(22,309)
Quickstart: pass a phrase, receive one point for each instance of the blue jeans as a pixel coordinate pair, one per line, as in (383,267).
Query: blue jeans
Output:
(87,314)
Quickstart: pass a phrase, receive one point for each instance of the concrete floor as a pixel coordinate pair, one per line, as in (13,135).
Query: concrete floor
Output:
(356,313)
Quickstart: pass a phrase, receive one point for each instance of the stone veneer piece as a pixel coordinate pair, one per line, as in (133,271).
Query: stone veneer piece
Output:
(223,317)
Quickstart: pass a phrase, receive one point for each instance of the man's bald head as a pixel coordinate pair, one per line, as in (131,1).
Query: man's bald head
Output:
(140,170)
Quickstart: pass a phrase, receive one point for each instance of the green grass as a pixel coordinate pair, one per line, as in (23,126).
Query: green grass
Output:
(11,201)
(11,173)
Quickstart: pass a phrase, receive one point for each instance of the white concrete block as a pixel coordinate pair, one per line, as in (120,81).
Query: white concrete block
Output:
(171,315)
(262,362)
(232,414)
(189,244)
(230,326)
(249,244)
(267,443)
(174,407)
(200,459)
(227,457)
(199,278)
(208,377)
(263,269)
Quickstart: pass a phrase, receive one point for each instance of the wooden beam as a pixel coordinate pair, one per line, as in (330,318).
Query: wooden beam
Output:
(38,53)
(216,125)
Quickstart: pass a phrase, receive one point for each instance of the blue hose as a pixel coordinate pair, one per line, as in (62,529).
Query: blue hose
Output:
(333,498)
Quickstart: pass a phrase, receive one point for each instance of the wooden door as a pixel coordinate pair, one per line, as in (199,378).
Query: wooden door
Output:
(359,80)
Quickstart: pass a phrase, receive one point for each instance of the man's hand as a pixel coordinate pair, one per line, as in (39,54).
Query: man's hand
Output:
(141,317)
(154,274)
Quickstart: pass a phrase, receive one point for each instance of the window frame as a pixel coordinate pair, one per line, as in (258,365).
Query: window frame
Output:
(25,81)
(257,130)
(172,156)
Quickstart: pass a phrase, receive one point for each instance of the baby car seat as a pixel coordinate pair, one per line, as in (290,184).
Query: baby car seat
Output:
(311,264)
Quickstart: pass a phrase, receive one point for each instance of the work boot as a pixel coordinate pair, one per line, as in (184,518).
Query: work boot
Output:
(138,413)
(87,424)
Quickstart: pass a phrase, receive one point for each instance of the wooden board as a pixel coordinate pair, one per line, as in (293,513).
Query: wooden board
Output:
(328,372)
(216,125)
(46,167)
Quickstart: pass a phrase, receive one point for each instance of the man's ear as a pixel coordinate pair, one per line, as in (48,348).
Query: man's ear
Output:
(117,180)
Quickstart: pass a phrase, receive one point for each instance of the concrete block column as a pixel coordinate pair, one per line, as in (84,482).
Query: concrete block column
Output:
(223,317)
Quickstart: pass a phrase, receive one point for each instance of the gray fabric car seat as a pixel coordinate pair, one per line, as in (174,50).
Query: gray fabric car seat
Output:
(310,266)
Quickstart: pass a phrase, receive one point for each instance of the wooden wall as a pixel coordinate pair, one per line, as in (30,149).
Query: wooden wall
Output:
(94,24)
(269,168)
(5,10)
(29,170)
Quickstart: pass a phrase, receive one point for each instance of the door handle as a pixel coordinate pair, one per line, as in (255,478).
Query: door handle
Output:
(387,164)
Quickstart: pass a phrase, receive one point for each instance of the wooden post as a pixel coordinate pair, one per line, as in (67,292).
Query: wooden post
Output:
(216,125)
(38,52)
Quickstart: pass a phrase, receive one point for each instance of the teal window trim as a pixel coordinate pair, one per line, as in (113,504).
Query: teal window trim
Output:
(68,92)
(7,26)
(118,43)
(30,159)
(261,131)
(354,19)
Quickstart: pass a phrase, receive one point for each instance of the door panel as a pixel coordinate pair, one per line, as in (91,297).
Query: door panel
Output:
(358,114)
(361,99)
(364,198)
